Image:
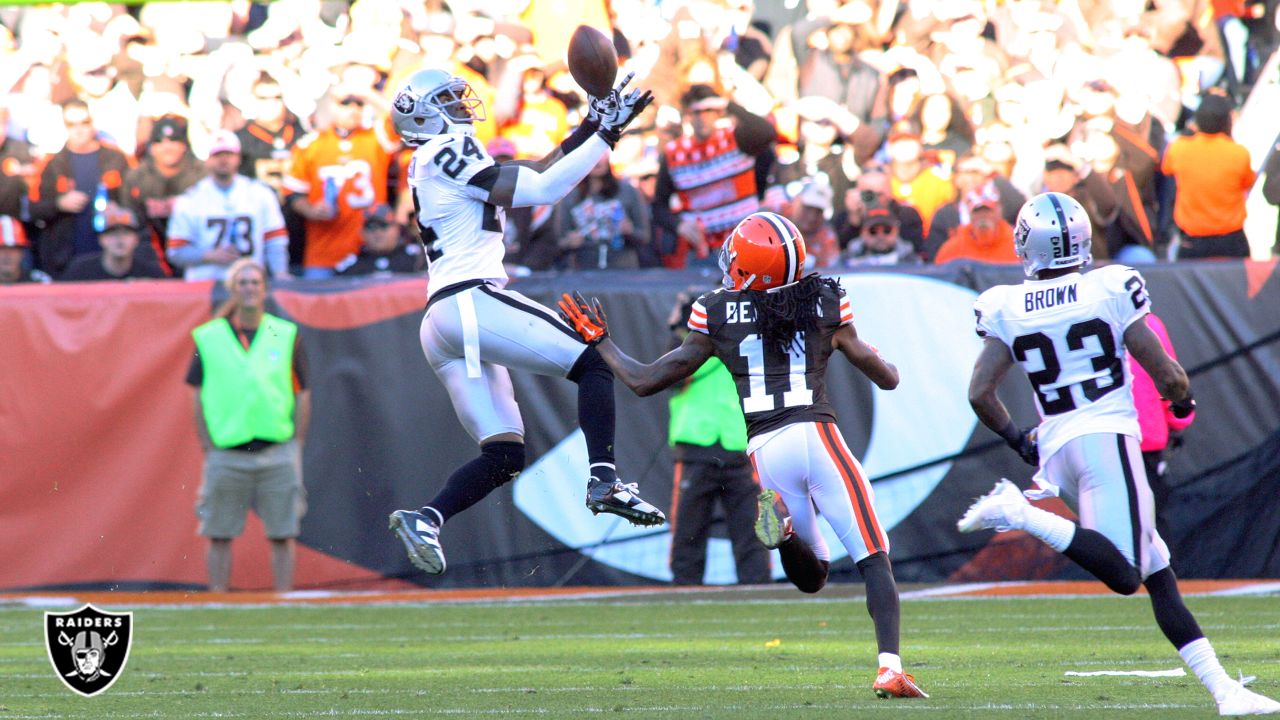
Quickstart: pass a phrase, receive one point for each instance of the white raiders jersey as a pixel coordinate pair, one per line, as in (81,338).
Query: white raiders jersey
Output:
(247,216)
(450,176)
(1067,333)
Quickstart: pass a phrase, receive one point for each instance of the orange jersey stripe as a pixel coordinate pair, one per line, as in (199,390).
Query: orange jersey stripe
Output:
(864,513)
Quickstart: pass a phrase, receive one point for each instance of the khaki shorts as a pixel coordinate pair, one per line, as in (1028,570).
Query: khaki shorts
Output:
(268,481)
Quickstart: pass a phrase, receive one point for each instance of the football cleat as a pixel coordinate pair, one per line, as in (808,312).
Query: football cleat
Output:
(1000,510)
(894,684)
(421,537)
(1240,700)
(773,521)
(623,500)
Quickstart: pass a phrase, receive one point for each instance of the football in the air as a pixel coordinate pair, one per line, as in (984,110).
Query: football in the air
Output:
(593,61)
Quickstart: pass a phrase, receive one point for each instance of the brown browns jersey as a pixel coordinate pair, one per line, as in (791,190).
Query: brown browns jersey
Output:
(775,388)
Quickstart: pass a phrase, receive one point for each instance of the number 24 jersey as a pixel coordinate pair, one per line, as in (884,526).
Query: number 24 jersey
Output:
(450,176)
(775,388)
(1067,333)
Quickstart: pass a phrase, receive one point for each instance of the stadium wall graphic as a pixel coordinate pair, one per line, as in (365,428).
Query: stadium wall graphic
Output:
(99,465)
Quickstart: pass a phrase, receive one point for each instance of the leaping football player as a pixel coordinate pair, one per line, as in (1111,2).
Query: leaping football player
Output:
(775,329)
(474,328)
(1072,332)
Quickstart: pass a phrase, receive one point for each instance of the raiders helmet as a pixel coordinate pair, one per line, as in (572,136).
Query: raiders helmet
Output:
(1052,231)
(433,102)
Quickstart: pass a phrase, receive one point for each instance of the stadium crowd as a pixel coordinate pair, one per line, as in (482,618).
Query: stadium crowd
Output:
(889,131)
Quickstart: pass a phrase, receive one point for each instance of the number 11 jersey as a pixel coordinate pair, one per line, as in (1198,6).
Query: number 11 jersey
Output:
(775,388)
(1067,333)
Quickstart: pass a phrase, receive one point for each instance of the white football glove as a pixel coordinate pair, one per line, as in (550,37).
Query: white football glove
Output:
(615,111)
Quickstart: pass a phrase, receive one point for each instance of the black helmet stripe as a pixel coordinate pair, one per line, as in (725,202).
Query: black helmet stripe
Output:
(788,244)
(1062,222)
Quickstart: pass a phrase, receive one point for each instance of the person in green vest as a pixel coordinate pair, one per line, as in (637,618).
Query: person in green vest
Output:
(252,408)
(709,438)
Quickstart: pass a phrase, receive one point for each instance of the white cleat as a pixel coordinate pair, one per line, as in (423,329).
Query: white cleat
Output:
(1243,701)
(1000,510)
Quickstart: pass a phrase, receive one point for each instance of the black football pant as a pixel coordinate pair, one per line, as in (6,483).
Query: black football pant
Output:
(699,487)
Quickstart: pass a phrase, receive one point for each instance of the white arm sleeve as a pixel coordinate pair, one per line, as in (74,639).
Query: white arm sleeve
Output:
(550,186)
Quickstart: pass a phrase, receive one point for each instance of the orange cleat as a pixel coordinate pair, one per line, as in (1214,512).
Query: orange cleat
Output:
(891,684)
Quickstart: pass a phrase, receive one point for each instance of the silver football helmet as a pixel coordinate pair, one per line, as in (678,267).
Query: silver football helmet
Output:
(433,102)
(1052,231)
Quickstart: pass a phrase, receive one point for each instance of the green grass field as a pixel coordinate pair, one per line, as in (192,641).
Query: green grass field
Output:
(730,654)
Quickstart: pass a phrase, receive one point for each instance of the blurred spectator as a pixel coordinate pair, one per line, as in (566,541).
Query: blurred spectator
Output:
(225,217)
(716,173)
(118,259)
(986,237)
(872,189)
(1064,172)
(602,222)
(1213,175)
(810,210)
(972,172)
(915,179)
(1271,187)
(335,175)
(16,166)
(945,133)
(94,76)
(834,68)
(1130,238)
(383,252)
(708,436)
(1161,431)
(13,254)
(266,146)
(168,169)
(252,408)
(826,135)
(528,114)
(878,242)
(75,186)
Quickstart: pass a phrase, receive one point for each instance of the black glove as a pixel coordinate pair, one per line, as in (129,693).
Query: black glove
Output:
(1183,407)
(1023,442)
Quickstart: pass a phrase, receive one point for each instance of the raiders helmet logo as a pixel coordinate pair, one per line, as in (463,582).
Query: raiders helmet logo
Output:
(88,648)
(403,103)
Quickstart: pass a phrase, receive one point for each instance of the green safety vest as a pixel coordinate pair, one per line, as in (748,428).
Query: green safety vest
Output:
(706,411)
(247,394)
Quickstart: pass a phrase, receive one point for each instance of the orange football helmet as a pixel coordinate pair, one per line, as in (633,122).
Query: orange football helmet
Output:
(765,251)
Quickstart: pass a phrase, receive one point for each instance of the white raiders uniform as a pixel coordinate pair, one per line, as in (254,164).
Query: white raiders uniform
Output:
(1067,333)
(246,216)
(474,329)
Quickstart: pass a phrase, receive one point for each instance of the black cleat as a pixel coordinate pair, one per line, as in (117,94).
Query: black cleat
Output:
(623,500)
(421,537)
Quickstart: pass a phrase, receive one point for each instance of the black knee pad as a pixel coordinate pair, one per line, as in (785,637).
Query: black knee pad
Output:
(506,460)
(1124,583)
(589,363)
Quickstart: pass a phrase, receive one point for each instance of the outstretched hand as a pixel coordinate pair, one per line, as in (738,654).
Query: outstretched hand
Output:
(615,111)
(587,319)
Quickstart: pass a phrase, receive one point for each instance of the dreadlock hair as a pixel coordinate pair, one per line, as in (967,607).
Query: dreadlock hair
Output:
(784,313)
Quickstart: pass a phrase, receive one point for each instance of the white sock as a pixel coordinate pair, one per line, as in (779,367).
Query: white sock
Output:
(1203,661)
(891,662)
(1055,530)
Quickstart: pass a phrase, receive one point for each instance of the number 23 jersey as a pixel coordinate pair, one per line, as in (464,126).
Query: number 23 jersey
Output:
(775,388)
(1067,333)
(451,176)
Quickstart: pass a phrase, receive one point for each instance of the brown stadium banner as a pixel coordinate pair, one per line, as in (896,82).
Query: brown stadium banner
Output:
(99,465)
